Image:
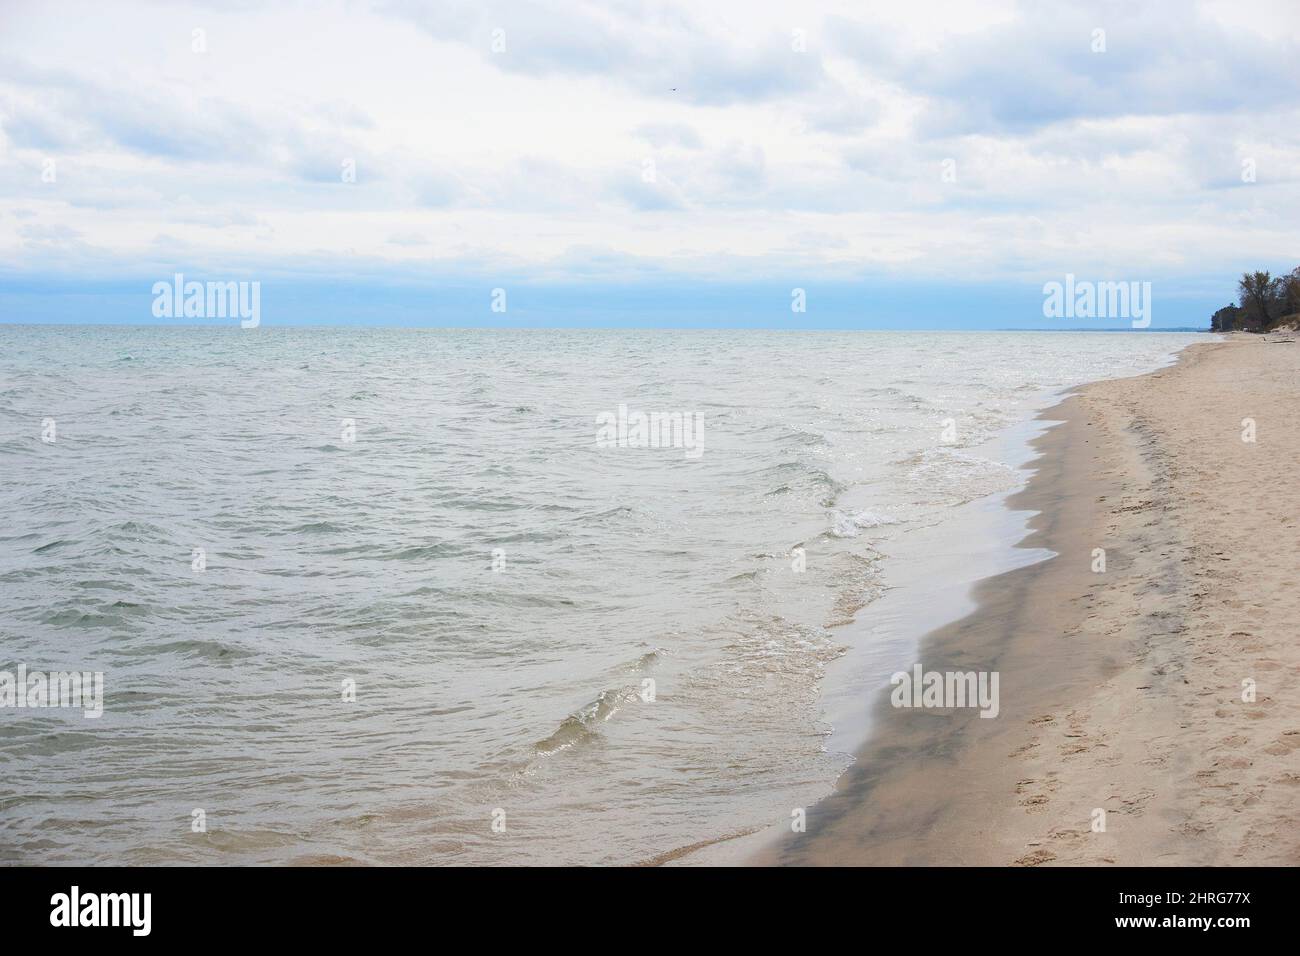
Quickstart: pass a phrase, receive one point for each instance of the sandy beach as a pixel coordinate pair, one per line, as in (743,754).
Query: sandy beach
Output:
(1157,690)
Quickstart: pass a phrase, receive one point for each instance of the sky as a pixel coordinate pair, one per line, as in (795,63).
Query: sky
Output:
(619,163)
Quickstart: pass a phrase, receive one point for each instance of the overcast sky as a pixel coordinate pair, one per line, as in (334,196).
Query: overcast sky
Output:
(677,149)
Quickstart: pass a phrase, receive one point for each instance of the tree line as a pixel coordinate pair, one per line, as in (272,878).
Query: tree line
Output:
(1264,302)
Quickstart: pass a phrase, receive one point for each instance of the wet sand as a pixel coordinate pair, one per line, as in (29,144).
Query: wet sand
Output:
(1122,690)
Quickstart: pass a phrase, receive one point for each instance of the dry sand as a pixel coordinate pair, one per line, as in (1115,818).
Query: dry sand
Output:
(1121,690)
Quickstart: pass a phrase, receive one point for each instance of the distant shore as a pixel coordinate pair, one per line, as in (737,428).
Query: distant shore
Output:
(1147,712)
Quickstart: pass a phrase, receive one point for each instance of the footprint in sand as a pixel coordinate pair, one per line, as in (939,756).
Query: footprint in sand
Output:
(1288,742)
(1036,858)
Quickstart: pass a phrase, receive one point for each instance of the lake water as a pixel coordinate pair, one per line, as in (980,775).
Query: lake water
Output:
(357,594)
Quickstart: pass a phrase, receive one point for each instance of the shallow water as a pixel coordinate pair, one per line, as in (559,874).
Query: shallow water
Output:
(430,515)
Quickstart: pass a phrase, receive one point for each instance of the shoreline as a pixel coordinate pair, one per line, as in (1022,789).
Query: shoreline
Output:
(976,540)
(1099,708)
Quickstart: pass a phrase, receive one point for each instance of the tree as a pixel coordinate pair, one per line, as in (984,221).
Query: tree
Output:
(1265,302)
(1227,319)
(1289,293)
(1257,290)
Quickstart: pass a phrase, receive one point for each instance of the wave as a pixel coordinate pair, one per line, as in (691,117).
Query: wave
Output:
(850,526)
(583,724)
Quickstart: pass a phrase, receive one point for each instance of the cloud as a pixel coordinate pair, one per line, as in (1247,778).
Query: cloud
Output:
(655,196)
(843,113)
(766,160)
(669,56)
(49,233)
(663,135)
(408,239)
(1058,62)
(56,109)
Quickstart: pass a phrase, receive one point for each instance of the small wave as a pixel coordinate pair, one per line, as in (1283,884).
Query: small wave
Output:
(800,435)
(952,464)
(619,511)
(850,526)
(318,527)
(793,475)
(583,724)
(115,615)
(204,649)
(647,660)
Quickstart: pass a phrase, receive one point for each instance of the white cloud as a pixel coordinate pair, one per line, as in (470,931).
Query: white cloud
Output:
(530,158)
